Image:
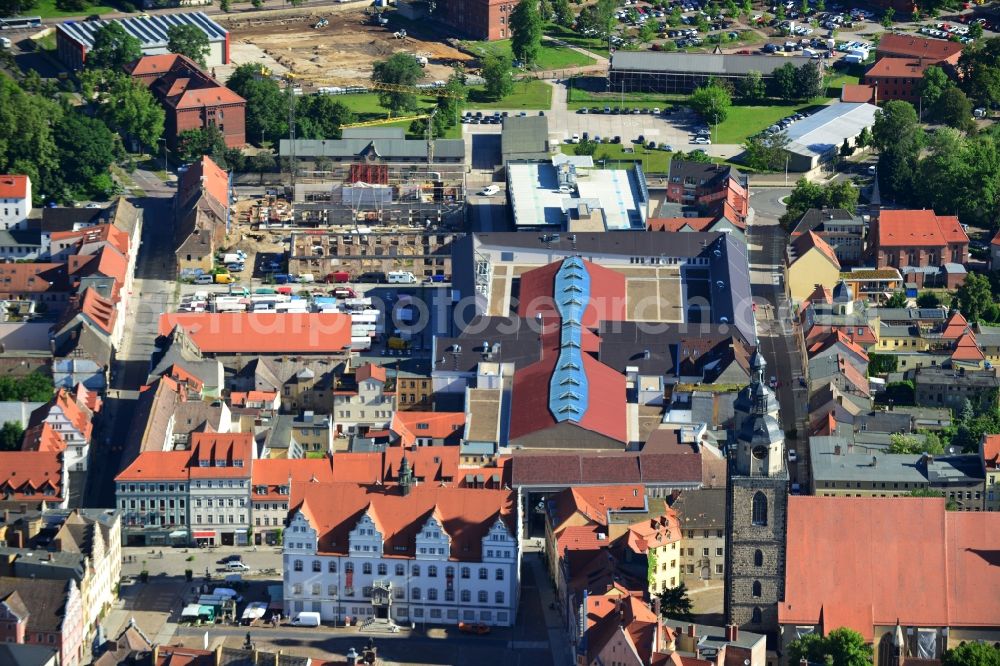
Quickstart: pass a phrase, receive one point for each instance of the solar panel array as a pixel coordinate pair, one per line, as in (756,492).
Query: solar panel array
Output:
(568,388)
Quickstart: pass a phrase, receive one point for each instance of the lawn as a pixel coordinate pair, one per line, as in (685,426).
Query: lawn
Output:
(577,98)
(653,161)
(835,83)
(744,121)
(550,56)
(528,94)
(47,9)
(595,45)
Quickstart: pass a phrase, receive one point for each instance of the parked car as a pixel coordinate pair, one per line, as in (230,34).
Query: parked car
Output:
(489,191)
(702,141)
(792,456)
(471,628)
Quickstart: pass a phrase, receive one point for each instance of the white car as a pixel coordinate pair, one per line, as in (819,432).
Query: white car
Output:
(702,141)
(575,139)
(792,456)
(489,191)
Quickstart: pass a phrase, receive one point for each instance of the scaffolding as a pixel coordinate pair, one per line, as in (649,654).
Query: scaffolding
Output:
(482,275)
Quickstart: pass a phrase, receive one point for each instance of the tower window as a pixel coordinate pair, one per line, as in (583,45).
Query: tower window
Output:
(756,617)
(759,509)
(756,590)
(758,558)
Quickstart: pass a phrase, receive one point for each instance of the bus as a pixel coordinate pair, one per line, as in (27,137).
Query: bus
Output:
(20,22)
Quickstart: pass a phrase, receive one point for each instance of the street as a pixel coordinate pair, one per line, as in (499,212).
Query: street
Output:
(776,329)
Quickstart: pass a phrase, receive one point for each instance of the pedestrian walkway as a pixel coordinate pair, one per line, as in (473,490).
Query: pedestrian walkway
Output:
(562,652)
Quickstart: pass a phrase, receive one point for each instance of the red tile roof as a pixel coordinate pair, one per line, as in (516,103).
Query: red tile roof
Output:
(364,468)
(182,376)
(582,469)
(435,464)
(606,403)
(153,64)
(28,475)
(100,310)
(205,176)
(32,278)
(821,294)
(234,449)
(895,560)
(955,327)
(436,425)
(244,398)
(581,537)
(967,349)
(369,371)
(837,338)
(101,233)
(263,332)
(906,68)
(935,50)
(654,532)
(918,228)
(857,93)
(13,187)
(810,240)
(594,502)
(996,239)
(276,472)
(43,437)
(157,466)
(467,514)
(991,451)
(607,294)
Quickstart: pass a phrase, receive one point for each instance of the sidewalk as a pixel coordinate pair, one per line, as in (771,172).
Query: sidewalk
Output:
(562,652)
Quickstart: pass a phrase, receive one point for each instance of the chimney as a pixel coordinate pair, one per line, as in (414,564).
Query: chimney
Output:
(692,632)
(874,461)
(656,606)
(836,450)
(732,633)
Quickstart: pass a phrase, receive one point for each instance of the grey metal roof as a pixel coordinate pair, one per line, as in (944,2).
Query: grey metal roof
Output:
(20,238)
(386,148)
(373,133)
(826,129)
(150,30)
(529,134)
(960,469)
(701,509)
(700,63)
(814,219)
(850,466)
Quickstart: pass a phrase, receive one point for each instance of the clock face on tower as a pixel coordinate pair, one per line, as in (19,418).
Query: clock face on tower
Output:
(759,452)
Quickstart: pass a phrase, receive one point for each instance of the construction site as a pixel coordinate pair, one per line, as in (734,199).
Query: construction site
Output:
(338,45)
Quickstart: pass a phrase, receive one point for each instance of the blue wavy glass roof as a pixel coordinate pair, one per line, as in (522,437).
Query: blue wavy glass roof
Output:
(568,389)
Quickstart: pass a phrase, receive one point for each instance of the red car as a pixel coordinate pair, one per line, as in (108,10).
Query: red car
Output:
(469,628)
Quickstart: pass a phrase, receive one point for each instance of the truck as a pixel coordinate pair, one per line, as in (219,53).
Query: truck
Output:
(338,277)
(234,258)
(305,277)
(224,278)
(400,277)
(398,343)
(306,619)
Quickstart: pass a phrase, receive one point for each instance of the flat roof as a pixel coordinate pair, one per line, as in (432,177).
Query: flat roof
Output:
(827,465)
(151,30)
(826,129)
(537,200)
(701,63)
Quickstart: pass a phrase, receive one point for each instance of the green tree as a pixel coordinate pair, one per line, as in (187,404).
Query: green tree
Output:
(321,117)
(11,435)
(263,161)
(979,71)
(189,40)
(33,387)
(27,139)
(783,82)
(911,444)
(898,137)
(401,69)
(267,104)
(675,603)
(751,88)
(806,195)
(888,17)
(841,647)
(586,147)
(895,123)
(647,32)
(974,653)
(17,7)
(526,32)
(880,364)
(820,5)
(747,8)
(225,5)
(128,108)
(599,16)
(563,13)
(976,31)
(974,296)
(780,12)
(693,156)
(933,83)
(450,108)
(808,81)
(712,102)
(113,48)
(949,505)
(897,300)
(864,138)
(86,149)
(498,73)
(545,10)
(954,109)
(928,299)
(194,143)
(766,152)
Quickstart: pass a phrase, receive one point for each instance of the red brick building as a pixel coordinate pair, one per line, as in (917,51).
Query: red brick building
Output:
(897,78)
(906,46)
(902,238)
(191,98)
(478,19)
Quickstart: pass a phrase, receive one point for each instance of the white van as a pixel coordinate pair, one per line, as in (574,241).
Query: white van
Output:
(236,566)
(204,279)
(400,277)
(306,619)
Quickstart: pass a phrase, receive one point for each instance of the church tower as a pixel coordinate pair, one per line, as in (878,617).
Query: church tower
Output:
(756,502)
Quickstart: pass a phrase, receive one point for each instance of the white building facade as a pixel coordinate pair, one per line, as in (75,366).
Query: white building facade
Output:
(15,201)
(424,581)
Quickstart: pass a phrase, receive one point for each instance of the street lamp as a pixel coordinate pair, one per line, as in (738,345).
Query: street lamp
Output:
(163,140)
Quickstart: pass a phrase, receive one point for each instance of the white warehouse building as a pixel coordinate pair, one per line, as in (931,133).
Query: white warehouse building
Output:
(816,140)
(423,554)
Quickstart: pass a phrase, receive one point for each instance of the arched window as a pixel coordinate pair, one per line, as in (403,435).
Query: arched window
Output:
(756,617)
(758,558)
(756,588)
(759,509)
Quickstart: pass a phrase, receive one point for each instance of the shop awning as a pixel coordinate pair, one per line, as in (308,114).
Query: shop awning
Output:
(204,535)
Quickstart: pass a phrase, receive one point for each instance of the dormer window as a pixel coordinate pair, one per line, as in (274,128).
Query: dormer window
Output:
(238,463)
(203,463)
(220,462)
(282,490)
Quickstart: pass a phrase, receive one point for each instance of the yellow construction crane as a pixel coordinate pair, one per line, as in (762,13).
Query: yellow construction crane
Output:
(382,121)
